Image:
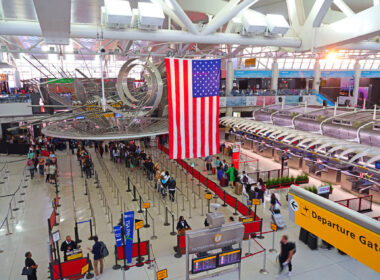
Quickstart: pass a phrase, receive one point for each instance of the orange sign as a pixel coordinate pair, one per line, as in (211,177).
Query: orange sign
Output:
(146,205)
(273,226)
(162,274)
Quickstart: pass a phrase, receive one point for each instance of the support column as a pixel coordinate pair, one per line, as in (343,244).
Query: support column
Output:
(317,76)
(229,112)
(104,101)
(274,82)
(229,77)
(356,83)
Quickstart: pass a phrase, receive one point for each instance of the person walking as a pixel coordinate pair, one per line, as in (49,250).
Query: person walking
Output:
(98,259)
(232,174)
(30,166)
(30,264)
(171,188)
(287,252)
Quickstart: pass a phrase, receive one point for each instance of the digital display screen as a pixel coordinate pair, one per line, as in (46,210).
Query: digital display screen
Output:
(227,258)
(204,264)
(377,165)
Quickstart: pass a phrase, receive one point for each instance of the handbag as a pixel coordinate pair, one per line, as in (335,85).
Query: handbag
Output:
(27,271)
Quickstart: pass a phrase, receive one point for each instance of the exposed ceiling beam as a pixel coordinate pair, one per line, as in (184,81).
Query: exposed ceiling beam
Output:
(180,13)
(344,7)
(318,12)
(360,26)
(54,17)
(296,13)
(226,14)
(20,28)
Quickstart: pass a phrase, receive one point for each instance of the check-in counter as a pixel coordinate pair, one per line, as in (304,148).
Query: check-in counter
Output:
(268,151)
(277,153)
(375,192)
(255,146)
(346,180)
(295,161)
(331,174)
(306,163)
(248,144)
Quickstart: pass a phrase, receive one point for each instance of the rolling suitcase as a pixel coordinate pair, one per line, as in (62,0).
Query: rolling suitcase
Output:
(278,220)
(213,171)
(222,182)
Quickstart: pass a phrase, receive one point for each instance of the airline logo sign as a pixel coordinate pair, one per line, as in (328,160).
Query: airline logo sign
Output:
(353,239)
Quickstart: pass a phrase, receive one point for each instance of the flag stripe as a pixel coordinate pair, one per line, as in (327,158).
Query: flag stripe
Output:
(186,108)
(182,108)
(174,110)
(191,106)
(211,126)
(198,128)
(170,105)
(202,127)
(178,107)
(217,126)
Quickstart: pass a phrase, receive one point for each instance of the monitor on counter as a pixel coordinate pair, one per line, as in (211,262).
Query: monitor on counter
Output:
(377,165)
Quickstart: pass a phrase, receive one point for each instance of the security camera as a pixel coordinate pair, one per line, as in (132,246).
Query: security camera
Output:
(215,206)
(102,50)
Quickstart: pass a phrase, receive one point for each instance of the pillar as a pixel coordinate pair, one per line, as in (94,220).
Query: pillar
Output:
(356,83)
(274,82)
(229,112)
(317,76)
(229,77)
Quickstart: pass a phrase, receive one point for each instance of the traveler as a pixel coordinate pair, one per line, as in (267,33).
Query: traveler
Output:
(67,246)
(30,166)
(87,167)
(208,161)
(218,162)
(98,251)
(274,204)
(30,264)
(232,174)
(149,167)
(182,224)
(261,185)
(52,173)
(171,188)
(287,251)
(41,167)
(245,179)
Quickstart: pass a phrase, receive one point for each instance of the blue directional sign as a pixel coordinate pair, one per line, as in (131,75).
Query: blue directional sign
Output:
(129,218)
(118,236)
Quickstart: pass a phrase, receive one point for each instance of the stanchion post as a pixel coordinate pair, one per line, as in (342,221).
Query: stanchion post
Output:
(224,199)
(129,185)
(116,266)
(146,225)
(91,236)
(236,204)
(273,250)
(140,204)
(173,232)
(76,232)
(263,270)
(261,236)
(166,223)
(134,193)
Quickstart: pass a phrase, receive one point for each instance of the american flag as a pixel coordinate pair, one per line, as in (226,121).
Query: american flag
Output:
(193,91)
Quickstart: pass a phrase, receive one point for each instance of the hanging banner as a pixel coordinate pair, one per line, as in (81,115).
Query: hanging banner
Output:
(129,219)
(236,155)
(118,237)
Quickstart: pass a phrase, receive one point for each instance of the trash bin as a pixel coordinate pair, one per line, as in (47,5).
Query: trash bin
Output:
(312,241)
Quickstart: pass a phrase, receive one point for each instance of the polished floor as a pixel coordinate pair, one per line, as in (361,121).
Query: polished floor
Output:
(29,226)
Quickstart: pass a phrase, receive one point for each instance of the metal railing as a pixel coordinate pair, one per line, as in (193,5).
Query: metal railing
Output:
(15,98)
(359,204)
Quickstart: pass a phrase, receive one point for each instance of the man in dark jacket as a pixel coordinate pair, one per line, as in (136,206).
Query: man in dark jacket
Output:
(67,246)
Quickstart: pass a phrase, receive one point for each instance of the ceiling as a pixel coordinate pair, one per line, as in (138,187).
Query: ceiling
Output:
(21,25)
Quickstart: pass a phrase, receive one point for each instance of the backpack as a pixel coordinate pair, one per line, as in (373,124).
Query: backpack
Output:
(103,250)
(171,183)
(236,173)
(245,179)
(225,168)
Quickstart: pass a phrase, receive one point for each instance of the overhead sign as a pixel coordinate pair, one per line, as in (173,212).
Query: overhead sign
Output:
(162,274)
(353,239)
(129,219)
(250,62)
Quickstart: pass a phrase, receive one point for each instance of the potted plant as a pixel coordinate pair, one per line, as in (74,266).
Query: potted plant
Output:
(286,181)
(302,179)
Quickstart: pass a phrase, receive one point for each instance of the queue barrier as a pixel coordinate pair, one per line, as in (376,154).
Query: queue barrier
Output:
(180,249)
(144,250)
(227,198)
(70,269)
(360,204)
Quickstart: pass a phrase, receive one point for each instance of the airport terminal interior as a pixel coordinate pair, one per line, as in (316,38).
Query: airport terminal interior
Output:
(189,139)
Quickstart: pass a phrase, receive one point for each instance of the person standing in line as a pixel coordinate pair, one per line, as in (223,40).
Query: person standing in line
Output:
(98,259)
(30,264)
(287,251)
(232,174)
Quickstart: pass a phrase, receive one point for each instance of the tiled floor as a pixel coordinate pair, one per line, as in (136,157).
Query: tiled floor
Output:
(30,224)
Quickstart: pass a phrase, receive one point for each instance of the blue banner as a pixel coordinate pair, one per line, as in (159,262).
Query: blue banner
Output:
(118,237)
(252,73)
(370,74)
(338,74)
(296,73)
(129,218)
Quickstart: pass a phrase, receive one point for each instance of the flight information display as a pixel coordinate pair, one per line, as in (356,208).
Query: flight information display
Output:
(204,264)
(230,257)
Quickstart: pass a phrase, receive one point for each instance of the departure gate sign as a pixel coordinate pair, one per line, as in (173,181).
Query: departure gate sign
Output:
(353,239)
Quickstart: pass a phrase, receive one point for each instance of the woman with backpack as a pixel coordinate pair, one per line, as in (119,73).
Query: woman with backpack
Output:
(30,166)
(99,250)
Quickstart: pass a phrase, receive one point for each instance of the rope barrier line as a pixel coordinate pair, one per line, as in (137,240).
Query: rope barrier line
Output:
(251,255)
(254,239)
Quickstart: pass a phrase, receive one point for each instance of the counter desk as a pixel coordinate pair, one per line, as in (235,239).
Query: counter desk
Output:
(295,161)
